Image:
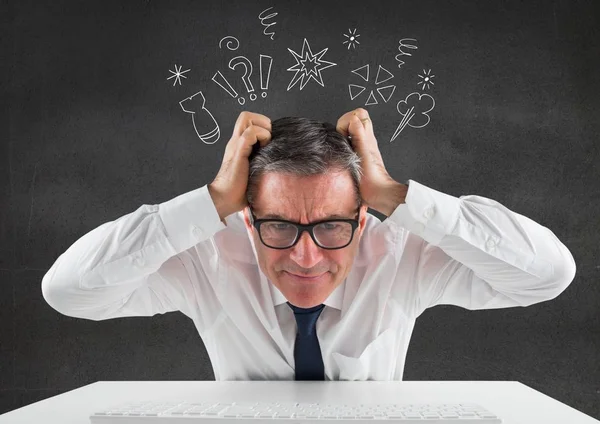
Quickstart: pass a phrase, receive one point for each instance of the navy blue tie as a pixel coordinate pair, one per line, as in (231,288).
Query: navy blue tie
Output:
(307,352)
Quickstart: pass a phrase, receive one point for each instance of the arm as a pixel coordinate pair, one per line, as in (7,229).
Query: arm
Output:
(131,267)
(474,252)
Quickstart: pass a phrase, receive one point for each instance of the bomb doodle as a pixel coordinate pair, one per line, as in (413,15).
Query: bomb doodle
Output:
(197,102)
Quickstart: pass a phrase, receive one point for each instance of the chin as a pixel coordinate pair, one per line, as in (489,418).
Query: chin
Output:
(306,294)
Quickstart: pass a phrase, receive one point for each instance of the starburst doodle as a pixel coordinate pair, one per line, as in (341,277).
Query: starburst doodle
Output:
(177,74)
(426,80)
(308,65)
(352,38)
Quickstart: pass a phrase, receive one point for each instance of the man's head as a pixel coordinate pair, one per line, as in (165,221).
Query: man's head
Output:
(306,173)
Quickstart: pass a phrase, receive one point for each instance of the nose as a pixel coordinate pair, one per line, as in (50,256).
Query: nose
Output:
(306,253)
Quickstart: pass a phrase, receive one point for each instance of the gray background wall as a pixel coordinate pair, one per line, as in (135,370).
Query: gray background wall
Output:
(91,129)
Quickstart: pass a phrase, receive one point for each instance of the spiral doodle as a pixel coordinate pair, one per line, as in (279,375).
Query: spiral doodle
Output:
(230,41)
(264,18)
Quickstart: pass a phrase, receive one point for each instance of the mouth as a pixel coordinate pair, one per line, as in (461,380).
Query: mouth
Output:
(310,279)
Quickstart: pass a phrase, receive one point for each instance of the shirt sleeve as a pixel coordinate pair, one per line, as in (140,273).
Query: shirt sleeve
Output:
(475,253)
(130,266)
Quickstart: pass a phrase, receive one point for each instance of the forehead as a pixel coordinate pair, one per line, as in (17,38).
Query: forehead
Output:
(297,197)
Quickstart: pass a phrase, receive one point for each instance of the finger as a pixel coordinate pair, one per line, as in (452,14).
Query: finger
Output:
(245,119)
(356,128)
(254,134)
(367,124)
(343,124)
(365,119)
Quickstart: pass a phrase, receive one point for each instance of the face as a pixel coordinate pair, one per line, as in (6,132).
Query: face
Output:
(306,200)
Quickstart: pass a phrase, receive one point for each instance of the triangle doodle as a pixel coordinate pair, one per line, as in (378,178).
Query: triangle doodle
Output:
(387,96)
(355,87)
(358,72)
(381,68)
(371,100)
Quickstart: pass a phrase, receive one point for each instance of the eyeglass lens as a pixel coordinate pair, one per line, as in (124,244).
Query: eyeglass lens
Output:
(328,234)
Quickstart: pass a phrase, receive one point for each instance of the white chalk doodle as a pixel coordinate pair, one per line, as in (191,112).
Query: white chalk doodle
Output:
(265,75)
(220,80)
(195,104)
(414,110)
(247,65)
(177,74)
(371,100)
(308,66)
(355,90)
(403,48)
(426,80)
(362,72)
(351,38)
(383,75)
(386,92)
(231,41)
(266,25)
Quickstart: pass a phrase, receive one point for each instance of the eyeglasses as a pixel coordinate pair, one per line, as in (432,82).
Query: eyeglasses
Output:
(327,234)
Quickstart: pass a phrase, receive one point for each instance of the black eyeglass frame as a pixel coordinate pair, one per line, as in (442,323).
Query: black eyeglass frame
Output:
(305,227)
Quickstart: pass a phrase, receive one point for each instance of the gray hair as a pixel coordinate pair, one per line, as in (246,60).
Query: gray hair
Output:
(303,147)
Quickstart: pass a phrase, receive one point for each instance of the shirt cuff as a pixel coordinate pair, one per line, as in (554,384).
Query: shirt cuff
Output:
(190,218)
(428,213)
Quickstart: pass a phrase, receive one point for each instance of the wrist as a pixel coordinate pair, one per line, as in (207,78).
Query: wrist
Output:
(391,196)
(219,202)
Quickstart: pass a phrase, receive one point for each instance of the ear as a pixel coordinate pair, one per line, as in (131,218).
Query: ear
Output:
(363,217)
(246,212)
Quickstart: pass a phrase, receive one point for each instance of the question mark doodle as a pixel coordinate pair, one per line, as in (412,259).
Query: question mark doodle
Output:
(243,61)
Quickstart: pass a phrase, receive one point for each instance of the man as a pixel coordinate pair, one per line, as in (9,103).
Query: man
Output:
(286,275)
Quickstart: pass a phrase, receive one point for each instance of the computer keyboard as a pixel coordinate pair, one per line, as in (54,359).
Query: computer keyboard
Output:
(172,412)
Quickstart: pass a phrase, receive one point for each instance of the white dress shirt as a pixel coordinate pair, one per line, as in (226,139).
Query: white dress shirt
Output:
(434,249)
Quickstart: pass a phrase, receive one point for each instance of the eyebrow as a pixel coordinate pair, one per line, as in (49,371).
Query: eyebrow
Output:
(277,216)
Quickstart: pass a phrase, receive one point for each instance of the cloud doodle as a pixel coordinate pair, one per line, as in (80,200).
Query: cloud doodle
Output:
(414,109)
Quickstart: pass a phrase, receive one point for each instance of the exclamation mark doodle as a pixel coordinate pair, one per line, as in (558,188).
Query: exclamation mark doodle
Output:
(265,75)
(224,84)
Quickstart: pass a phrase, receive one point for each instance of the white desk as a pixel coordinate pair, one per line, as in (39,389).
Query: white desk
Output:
(514,402)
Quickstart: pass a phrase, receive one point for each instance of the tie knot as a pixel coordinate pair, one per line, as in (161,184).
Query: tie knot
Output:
(306,318)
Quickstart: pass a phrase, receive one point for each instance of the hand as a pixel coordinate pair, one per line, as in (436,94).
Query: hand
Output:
(359,127)
(228,190)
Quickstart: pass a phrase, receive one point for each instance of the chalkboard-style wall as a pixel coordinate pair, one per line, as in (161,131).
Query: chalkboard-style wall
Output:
(493,98)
